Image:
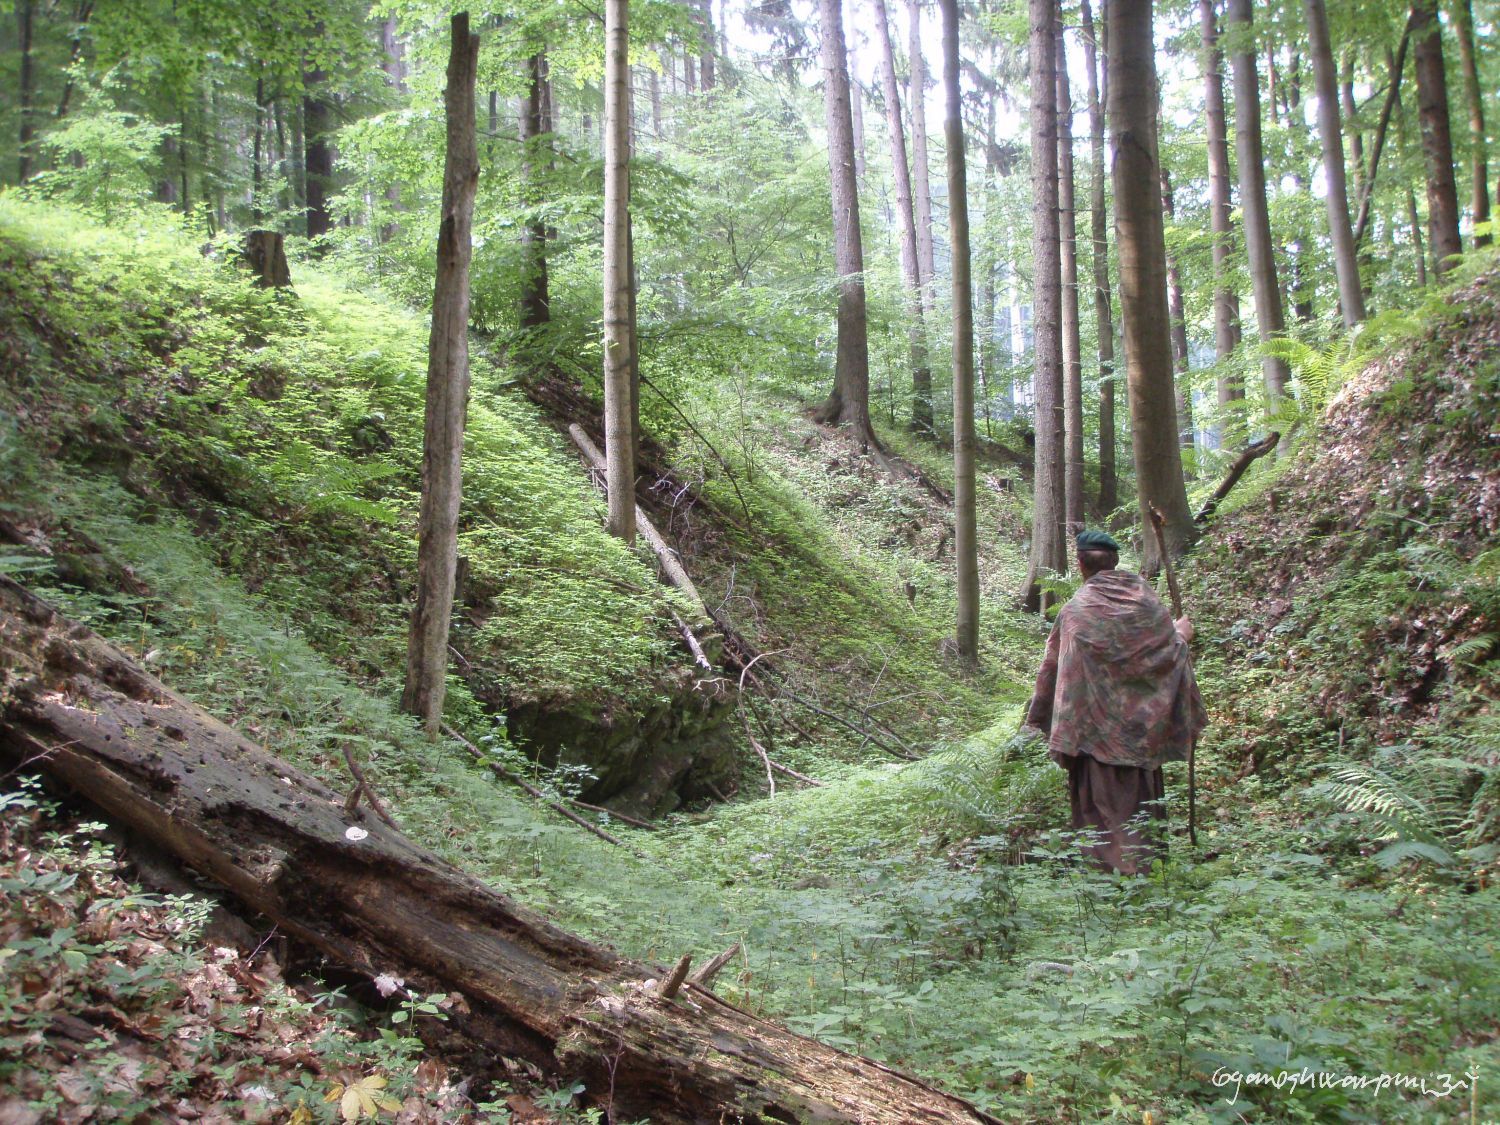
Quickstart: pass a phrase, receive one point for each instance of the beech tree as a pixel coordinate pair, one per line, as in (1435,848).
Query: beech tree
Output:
(965,533)
(1181,361)
(1048,547)
(1094,64)
(1330,132)
(1132,108)
(1226,297)
(447,395)
(1250,152)
(1437,139)
(619,324)
(1479,163)
(1071,347)
(849,402)
(911,270)
(536,132)
(921,419)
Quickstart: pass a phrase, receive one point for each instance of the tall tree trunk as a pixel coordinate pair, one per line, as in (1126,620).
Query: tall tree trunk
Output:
(921,413)
(1048,549)
(25,23)
(393,62)
(1413,218)
(965,533)
(619,327)
(1177,315)
(81,15)
(1143,278)
(257,147)
(1357,158)
(921,371)
(447,395)
(1269,316)
(849,402)
(317,116)
(1479,162)
(1071,346)
(857,111)
(706,48)
(1395,66)
(1330,131)
(535,145)
(655,103)
(1094,64)
(1437,139)
(1226,297)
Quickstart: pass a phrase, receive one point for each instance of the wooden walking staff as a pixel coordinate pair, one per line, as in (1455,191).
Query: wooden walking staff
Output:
(1158,524)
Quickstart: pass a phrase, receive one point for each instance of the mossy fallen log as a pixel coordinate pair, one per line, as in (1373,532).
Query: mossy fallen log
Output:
(80,710)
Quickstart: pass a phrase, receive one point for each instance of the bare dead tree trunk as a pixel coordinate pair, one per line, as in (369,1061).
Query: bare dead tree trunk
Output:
(373,901)
(849,402)
(536,140)
(619,326)
(1072,348)
(1143,278)
(965,533)
(921,408)
(1048,550)
(1269,316)
(447,395)
(921,378)
(1095,64)
(1226,298)
(1479,162)
(1437,140)
(1330,131)
(25,26)
(1177,315)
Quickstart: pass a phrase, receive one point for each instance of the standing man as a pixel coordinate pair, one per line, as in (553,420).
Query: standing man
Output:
(1115,698)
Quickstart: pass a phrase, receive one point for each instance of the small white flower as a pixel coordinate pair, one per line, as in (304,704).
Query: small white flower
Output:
(388,983)
(356,834)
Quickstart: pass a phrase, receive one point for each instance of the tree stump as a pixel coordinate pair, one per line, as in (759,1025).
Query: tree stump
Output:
(265,255)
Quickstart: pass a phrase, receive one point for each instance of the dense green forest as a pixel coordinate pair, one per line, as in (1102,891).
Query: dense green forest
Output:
(528,535)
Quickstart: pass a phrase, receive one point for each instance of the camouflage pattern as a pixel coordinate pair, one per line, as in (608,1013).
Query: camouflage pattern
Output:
(1117,681)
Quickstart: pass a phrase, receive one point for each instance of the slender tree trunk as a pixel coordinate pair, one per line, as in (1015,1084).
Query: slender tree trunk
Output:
(1072,350)
(1178,317)
(1048,549)
(655,104)
(447,395)
(1330,131)
(1437,139)
(965,534)
(1395,67)
(1269,317)
(706,54)
(81,16)
(689,74)
(619,328)
(1143,278)
(921,377)
(25,23)
(921,412)
(1104,319)
(317,118)
(535,143)
(1226,298)
(849,402)
(393,62)
(1479,163)
(857,110)
(1357,159)
(1413,218)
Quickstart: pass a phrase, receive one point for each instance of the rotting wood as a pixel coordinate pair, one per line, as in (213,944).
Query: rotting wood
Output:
(362,785)
(1251,452)
(86,714)
(705,976)
(625,818)
(678,977)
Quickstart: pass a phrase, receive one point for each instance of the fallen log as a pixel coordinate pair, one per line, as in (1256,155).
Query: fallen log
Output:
(1254,450)
(83,712)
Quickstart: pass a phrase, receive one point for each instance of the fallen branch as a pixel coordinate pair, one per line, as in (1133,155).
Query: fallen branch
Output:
(361,785)
(1392,96)
(1252,451)
(902,752)
(674,982)
(705,976)
(719,457)
(626,818)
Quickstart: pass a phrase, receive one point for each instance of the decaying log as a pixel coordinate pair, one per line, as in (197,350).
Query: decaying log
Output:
(1251,452)
(82,711)
(704,977)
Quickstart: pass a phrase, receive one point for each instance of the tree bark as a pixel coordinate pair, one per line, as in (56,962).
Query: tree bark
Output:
(25,26)
(393,62)
(921,377)
(706,50)
(1479,163)
(1330,131)
(1437,140)
(1072,349)
(1094,64)
(1177,315)
(536,140)
(1395,66)
(1269,316)
(857,113)
(849,402)
(447,395)
(1133,109)
(317,116)
(1230,387)
(965,533)
(265,253)
(374,902)
(921,414)
(1048,550)
(619,325)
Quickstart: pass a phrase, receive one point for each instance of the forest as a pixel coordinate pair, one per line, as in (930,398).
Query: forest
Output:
(749,561)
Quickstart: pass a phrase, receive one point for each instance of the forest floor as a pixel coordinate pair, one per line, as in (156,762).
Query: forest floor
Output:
(1338,916)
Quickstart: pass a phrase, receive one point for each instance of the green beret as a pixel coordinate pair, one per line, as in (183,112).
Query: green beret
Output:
(1097,541)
